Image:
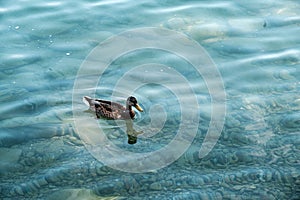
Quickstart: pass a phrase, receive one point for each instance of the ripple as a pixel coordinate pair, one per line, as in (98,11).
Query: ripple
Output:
(19,60)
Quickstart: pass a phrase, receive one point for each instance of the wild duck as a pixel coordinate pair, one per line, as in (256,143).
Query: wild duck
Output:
(113,110)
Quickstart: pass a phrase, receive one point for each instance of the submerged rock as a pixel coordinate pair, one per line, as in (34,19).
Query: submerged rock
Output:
(201,31)
(155,186)
(291,121)
(9,159)
(77,194)
(177,23)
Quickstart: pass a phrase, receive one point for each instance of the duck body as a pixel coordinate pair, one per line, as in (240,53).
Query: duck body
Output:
(112,110)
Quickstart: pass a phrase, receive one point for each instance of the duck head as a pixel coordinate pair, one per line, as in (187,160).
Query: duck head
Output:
(131,101)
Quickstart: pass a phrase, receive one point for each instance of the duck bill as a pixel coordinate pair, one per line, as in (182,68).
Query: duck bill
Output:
(138,108)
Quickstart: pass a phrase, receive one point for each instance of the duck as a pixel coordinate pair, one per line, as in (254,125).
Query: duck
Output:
(112,110)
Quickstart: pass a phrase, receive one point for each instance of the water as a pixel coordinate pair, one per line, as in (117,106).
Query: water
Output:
(255,47)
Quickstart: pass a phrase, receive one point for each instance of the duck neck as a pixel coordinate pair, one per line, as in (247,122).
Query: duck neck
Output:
(131,112)
(128,107)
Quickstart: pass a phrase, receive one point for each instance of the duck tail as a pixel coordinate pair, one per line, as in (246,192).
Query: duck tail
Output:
(87,100)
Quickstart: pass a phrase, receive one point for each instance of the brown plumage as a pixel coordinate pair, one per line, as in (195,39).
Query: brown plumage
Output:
(113,110)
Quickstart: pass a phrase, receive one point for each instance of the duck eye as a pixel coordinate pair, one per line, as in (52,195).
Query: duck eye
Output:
(133,100)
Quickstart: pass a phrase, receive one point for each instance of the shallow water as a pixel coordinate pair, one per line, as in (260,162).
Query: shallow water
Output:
(256,48)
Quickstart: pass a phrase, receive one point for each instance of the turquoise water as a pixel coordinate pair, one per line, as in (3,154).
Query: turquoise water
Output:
(256,48)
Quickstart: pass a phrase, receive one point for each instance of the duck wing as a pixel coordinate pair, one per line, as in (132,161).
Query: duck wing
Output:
(108,109)
(112,104)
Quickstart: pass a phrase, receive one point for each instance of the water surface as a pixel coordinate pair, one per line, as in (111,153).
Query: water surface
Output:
(255,46)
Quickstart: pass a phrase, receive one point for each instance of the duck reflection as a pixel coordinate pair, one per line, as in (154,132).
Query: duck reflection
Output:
(131,133)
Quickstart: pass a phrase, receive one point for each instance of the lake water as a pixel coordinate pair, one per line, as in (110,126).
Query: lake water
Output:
(49,50)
